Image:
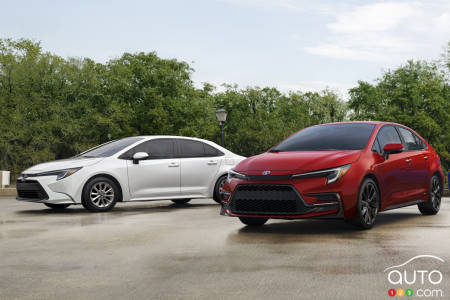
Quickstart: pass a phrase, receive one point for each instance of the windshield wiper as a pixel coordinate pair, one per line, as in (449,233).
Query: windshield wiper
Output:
(274,150)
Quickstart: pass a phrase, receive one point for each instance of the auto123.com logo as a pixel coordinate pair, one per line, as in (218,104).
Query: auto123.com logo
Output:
(417,277)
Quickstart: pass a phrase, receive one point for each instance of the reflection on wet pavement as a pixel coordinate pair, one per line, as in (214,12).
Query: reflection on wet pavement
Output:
(163,250)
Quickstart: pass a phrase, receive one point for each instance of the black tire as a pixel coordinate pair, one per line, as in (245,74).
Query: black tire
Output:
(253,221)
(181,201)
(106,201)
(432,206)
(367,205)
(219,183)
(57,206)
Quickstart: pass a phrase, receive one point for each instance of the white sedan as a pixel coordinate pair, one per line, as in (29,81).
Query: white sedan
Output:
(131,169)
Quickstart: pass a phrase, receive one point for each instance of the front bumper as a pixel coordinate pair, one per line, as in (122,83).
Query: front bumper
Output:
(281,201)
(41,190)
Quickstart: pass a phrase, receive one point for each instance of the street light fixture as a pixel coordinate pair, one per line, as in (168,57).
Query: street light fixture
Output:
(221,115)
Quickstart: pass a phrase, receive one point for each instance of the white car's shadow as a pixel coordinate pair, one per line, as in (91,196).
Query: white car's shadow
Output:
(121,208)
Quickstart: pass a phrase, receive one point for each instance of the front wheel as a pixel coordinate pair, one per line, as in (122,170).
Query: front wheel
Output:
(218,188)
(367,205)
(253,221)
(57,206)
(432,206)
(100,194)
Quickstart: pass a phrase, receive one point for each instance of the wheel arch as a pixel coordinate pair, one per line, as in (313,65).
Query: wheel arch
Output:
(374,178)
(436,172)
(221,174)
(109,177)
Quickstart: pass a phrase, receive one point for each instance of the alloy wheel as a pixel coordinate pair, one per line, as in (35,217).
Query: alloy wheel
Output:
(102,194)
(435,193)
(221,184)
(369,203)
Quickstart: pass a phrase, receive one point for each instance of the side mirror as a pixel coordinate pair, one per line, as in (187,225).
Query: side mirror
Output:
(139,156)
(392,148)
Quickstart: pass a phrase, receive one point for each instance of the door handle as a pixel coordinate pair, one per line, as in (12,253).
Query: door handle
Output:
(425,157)
(212,162)
(408,160)
(173,165)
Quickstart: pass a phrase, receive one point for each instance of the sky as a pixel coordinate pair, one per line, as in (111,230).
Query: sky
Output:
(288,44)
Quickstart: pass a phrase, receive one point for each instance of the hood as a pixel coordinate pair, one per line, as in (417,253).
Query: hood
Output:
(74,162)
(282,163)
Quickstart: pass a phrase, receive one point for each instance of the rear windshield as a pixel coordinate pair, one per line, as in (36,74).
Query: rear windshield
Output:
(110,148)
(328,137)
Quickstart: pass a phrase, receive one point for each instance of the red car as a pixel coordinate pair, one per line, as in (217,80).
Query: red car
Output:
(350,170)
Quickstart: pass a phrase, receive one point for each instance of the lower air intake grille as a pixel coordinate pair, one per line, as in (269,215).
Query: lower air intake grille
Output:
(30,190)
(265,199)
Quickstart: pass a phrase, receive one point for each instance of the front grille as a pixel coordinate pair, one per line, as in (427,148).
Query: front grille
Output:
(30,189)
(266,199)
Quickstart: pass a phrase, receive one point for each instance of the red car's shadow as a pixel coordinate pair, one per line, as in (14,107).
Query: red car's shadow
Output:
(331,226)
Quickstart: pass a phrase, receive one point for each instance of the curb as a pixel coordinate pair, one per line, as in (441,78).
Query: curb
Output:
(446,193)
(9,192)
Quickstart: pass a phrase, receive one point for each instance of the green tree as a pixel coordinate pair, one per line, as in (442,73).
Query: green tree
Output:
(416,94)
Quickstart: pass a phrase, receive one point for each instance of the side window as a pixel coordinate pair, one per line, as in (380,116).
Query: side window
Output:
(190,148)
(376,147)
(161,148)
(157,149)
(388,135)
(211,151)
(409,139)
(419,142)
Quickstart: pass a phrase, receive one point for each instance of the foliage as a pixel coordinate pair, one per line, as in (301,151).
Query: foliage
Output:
(416,94)
(52,108)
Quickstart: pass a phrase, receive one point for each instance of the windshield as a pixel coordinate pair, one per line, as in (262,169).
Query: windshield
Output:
(110,148)
(328,137)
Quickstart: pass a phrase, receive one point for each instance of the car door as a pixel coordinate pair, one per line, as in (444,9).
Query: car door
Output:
(392,172)
(157,177)
(417,167)
(200,163)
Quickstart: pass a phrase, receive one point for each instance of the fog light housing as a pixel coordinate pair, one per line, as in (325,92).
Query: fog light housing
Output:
(224,196)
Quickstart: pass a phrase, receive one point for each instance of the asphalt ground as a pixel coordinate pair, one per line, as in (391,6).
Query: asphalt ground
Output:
(152,250)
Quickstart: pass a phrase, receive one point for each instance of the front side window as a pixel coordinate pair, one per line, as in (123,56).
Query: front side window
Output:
(410,140)
(419,142)
(110,148)
(376,147)
(388,135)
(328,137)
(156,149)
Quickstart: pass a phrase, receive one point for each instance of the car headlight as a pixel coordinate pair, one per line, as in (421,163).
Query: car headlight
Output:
(60,174)
(332,175)
(233,174)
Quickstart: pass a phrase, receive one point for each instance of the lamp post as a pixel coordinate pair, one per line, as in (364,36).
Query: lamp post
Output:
(221,115)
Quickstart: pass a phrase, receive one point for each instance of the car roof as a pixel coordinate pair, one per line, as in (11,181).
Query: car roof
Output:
(170,137)
(364,122)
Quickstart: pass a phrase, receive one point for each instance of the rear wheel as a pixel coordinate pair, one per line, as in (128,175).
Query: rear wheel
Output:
(432,206)
(367,205)
(218,188)
(57,206)
(181,201)
(100,194)
(253,221)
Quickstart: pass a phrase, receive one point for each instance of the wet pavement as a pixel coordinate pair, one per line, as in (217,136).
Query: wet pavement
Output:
(153,250)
